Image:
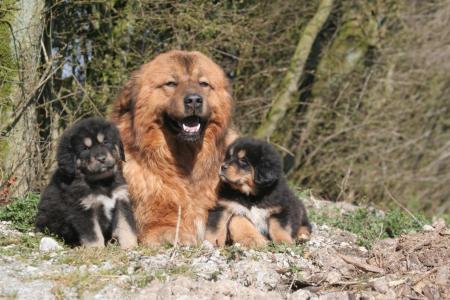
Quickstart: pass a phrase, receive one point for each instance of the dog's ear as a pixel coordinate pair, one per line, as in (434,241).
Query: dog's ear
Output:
(124,102)
(122,151)
(117,142)
(65,155)
(269,169)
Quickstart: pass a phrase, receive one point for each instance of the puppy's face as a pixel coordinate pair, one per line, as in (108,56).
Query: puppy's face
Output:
(251,166)
(238,171)
(93,146)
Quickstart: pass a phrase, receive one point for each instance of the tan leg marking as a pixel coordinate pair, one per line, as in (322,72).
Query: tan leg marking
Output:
(123,232)
(219,236)
(278,233)
(243,231)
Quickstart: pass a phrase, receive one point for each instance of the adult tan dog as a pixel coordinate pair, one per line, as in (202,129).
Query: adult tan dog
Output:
(174,116)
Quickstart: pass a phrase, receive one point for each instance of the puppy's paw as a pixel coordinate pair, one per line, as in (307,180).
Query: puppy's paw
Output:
(303,234)
(128,242)
(253,241)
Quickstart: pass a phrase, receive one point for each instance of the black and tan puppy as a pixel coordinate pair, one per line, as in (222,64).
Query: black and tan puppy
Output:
(255,202)
(87,202)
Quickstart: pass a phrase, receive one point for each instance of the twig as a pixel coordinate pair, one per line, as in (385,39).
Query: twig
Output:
(284,149)
(425,275)
(177,233)
(402,206)
(226,54)
(360,264)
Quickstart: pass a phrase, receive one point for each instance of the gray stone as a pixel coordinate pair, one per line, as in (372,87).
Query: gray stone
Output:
(49,244)
(335,296)
(333,277)
(381,285)
(427,227)
(300,295)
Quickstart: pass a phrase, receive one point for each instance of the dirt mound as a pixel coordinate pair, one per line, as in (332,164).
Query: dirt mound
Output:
(332,265)
(416,264)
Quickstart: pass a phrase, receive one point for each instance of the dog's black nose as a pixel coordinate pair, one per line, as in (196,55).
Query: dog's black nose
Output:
(193,102)
(101,157)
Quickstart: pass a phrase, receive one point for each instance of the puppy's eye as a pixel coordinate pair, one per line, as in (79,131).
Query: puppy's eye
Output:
(244,163)
(204,83)
(171,83)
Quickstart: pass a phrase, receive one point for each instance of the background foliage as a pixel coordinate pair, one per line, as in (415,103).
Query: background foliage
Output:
(371,120)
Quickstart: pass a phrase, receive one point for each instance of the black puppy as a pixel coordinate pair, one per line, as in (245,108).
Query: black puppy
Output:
(87,202)
(253,187)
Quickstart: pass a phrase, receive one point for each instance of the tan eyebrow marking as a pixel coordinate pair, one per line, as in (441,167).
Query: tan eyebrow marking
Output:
(87,142)
(241,153)
(100,137)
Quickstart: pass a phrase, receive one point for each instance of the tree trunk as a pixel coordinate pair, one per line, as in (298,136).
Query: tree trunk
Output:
(358,32)
(20,128)
(289,85)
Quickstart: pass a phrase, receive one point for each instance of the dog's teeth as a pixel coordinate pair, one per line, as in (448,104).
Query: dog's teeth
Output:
(191,129)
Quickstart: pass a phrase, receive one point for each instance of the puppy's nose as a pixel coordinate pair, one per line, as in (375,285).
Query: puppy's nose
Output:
(101,157)
(193,102)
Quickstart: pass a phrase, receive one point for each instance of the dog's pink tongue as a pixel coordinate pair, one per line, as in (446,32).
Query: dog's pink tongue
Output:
(191,128)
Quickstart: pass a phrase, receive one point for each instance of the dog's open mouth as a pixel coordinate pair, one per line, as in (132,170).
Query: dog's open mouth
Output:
(189,128)
(190,125)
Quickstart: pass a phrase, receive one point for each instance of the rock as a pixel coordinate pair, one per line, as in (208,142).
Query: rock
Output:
(389,295)
(207,245)
(427,227)
(49,244)
(300,295)
(259,274)
(439,224)
(333,277)
(362,249)
(380,285)
(442,276)
(336,296)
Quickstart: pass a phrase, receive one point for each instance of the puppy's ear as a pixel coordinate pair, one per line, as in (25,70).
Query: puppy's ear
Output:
(65,155)
(269,169)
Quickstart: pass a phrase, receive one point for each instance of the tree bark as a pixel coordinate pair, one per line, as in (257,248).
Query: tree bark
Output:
(22,160)
(356,35)
(289,85)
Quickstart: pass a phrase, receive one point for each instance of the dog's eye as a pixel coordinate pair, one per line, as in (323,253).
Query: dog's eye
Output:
(244,163)
(171,83)
(204,84)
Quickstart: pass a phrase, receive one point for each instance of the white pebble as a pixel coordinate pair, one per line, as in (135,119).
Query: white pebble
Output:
(427,227)
(48,244)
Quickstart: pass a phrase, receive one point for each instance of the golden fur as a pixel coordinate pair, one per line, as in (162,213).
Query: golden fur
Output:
(163,171)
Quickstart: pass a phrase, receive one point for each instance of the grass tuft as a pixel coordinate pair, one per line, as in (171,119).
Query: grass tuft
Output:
(369,226)
(21,213)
